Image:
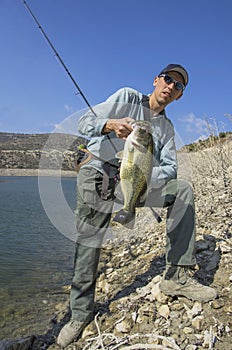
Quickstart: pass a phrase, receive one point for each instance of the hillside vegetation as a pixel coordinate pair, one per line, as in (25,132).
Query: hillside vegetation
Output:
(210,141)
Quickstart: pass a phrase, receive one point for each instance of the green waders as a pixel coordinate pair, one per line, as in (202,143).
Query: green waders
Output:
(93,217)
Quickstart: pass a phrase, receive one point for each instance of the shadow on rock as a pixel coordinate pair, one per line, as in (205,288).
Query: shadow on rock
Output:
(156,268)
(208,257)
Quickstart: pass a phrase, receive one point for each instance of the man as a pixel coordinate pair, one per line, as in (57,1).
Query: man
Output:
(107,127)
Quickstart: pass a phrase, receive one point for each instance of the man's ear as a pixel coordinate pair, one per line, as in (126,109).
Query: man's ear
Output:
(155,81)
(179,96)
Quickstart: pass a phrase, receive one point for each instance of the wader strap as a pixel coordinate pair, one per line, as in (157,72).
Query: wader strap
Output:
(145,103)
(82,159)
(105,182)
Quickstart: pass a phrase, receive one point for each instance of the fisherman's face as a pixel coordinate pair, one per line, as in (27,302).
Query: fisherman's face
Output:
(166,93)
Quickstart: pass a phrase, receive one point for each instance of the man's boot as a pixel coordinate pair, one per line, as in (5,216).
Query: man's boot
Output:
(177,281)
(70,332)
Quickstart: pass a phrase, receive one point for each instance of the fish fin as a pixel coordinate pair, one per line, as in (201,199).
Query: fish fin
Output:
(143,197)
(125,218)
(119,155)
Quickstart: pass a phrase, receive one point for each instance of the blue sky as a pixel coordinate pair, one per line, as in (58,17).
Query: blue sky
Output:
(110,44)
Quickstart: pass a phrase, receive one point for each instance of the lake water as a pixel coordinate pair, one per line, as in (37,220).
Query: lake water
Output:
(36,260)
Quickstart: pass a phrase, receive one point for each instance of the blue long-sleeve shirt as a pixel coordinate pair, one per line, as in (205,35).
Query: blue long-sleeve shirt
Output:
(127,102)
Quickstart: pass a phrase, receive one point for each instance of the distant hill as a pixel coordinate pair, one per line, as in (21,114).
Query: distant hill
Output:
(24,151)
(211,141)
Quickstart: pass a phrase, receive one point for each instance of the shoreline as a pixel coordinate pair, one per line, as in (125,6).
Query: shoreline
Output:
(37,172)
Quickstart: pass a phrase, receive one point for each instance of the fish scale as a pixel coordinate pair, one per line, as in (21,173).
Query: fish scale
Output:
(135,171)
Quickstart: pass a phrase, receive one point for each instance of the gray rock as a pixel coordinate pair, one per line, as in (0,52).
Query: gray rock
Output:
(18,344)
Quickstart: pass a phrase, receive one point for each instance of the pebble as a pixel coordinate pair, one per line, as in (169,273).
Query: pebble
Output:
(197,322)
(187,330)
(164,311)
(196,310)
(217,303)
(123,327)
(228,309)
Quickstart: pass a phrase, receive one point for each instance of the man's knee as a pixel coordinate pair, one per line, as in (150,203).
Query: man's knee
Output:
(185,191)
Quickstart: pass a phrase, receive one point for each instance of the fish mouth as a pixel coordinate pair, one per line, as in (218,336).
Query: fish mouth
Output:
(141,147)
(142,128)
(140,136)
(141,125)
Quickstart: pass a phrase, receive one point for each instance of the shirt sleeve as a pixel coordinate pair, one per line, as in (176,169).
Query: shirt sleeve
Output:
(115,106)
(165,168)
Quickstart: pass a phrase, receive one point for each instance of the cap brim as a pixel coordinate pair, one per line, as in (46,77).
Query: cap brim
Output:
(179,69)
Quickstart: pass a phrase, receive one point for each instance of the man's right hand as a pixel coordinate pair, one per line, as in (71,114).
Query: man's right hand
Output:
(121,127)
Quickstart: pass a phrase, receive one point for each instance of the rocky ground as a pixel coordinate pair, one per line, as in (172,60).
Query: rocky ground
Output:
(131,312)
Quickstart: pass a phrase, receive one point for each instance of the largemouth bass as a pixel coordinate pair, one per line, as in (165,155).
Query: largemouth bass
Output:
(135,170)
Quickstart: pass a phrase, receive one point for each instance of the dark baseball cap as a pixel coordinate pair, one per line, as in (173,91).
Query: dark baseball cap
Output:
(177,68)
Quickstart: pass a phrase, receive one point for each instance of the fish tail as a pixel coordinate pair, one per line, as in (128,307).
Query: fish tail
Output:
(125,218)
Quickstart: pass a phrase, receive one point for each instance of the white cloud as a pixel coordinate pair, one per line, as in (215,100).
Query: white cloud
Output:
(195,125)
(68,108)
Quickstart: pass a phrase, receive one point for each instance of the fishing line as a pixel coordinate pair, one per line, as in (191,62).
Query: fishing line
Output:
(58,56)
(63,64)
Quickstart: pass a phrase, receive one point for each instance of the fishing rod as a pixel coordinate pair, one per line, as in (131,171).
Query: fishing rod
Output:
(73,80)
(58,56)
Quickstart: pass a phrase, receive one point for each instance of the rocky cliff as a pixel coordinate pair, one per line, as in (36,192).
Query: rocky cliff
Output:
(25,151)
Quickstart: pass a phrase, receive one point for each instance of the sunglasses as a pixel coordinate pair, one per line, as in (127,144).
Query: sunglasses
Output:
(169,80)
